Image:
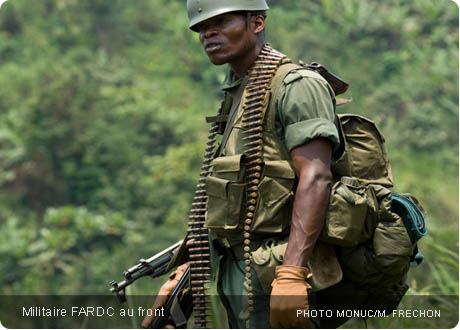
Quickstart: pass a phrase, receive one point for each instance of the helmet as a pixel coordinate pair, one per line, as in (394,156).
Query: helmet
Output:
(201,10)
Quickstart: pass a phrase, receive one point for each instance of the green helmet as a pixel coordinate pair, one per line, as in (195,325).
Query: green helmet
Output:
(201,10)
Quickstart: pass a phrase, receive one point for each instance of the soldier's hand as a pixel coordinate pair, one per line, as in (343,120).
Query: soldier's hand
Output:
(289,295)
(163,294)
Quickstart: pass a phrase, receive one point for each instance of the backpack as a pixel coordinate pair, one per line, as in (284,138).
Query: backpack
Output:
(374,231)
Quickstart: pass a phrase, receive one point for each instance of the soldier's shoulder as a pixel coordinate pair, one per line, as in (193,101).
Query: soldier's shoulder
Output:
(302,73)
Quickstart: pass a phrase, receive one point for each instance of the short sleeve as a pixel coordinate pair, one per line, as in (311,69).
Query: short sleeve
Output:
(305,109)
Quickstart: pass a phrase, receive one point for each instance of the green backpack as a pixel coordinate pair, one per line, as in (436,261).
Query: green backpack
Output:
(362,208)
(374,230)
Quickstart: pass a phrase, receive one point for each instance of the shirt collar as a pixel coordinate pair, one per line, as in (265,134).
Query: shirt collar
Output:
(231,81)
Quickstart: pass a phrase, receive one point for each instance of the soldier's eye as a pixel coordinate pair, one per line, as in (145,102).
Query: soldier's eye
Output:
(201,27)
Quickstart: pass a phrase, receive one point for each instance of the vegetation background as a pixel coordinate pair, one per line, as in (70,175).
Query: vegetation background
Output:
(102,130)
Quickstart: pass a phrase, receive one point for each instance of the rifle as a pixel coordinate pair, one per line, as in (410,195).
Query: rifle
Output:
(154,266)
(178,307)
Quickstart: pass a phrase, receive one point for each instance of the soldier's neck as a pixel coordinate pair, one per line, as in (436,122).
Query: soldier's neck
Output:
(242,66)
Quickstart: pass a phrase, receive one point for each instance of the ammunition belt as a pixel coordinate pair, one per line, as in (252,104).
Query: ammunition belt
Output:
(198,241)
(258,85)
(256,90)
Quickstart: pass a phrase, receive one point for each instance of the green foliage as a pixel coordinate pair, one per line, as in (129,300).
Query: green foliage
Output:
(102,126)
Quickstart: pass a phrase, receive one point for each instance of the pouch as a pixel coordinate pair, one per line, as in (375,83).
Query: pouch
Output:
(349,205)
(274,206)
(226,194)
(323,264)
(384,259)
(392,247)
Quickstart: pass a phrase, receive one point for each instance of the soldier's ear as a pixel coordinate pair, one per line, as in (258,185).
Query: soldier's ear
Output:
(259,23)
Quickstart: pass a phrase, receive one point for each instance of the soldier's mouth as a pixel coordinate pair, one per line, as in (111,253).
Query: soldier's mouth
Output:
(212,47)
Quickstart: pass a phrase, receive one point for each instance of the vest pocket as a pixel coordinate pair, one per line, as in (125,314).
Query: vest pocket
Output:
(217,198)
(274,206)
(225,194)
(224,203)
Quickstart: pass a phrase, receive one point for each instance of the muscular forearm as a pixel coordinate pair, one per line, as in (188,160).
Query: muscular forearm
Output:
(290,287)
(312,164)
(308,216)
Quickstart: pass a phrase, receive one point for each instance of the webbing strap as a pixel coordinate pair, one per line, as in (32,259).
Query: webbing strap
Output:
(232,115)
(275,86)
(278,79)
(217,119)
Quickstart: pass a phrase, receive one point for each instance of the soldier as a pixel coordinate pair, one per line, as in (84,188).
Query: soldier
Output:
(271,174)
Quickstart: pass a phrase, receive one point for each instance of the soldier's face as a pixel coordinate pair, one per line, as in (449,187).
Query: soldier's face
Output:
(226,38)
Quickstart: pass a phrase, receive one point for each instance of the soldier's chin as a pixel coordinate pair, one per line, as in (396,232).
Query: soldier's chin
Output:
(217,60)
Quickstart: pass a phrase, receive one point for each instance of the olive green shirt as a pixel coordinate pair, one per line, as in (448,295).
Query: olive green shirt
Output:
(305,107)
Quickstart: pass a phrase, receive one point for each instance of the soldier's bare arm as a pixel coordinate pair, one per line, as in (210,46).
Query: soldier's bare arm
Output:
(312,165)
(290,288)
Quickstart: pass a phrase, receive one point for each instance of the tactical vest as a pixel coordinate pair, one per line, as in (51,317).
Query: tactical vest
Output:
(225,186)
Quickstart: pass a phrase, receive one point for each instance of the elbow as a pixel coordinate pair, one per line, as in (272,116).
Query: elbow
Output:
(316,178)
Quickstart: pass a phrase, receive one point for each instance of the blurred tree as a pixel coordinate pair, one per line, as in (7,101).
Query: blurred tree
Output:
(102,130)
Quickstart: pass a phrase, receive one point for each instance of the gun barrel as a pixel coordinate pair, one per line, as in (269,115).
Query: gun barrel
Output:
(154,266)
(142,264)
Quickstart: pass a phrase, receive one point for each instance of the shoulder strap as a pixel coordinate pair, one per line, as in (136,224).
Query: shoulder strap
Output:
(276,84)
(280,74)
(231,117)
